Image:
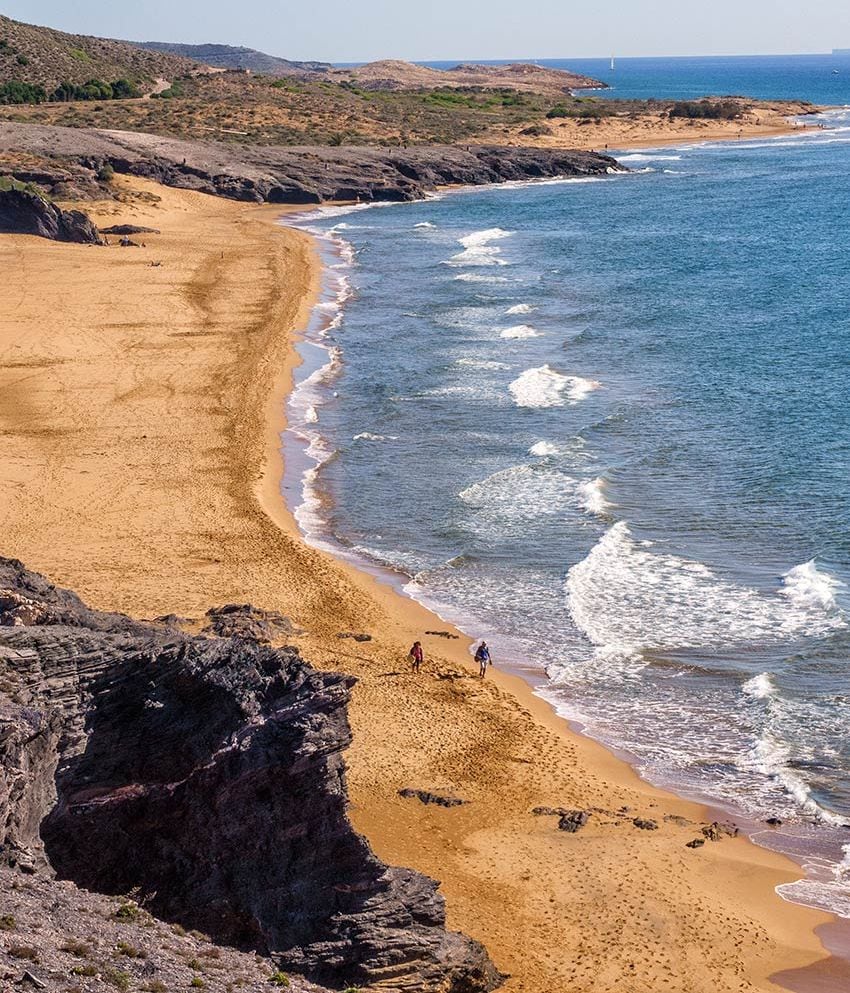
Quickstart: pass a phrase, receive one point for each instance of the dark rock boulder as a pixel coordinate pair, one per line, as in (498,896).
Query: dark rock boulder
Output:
(244,621)
(24,212)
(573,820)
(128,229)
(205,774)
(427,797)
(645,823)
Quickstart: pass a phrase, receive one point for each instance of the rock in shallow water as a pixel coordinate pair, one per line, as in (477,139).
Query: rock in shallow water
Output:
(206,773)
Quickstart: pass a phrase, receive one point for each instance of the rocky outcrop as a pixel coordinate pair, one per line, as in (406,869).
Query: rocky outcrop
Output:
(295,175)
(25,212)
(206,775)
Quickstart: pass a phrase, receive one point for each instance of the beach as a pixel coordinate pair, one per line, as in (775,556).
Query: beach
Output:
(142,397)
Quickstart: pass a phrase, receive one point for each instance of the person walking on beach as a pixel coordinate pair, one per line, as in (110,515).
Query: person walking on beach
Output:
(482,657)
(416,656)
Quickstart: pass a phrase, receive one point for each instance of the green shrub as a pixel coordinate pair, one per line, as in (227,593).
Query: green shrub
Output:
(725,110)
(280,979)
(129,912)
(84,970)
(15,92)
(106,173)
(197,983)
(7,921)
(115,977)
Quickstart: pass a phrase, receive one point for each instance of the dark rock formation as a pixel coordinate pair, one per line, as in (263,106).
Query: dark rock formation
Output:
(24,212)
(696,843)
(354,636)
(427,797)
(717,831)
(244,621)
(128,229)
(573,820)
(206,774)
(645,824)
(300,175)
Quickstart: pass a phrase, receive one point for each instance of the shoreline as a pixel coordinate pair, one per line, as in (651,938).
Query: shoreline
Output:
(173,362)
(529,685)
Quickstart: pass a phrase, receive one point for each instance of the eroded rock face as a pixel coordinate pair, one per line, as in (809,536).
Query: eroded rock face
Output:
(207,773)
(23,212)
(293,174)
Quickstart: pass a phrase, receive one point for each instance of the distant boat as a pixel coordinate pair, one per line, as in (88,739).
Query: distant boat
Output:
(834,72)
(612,64)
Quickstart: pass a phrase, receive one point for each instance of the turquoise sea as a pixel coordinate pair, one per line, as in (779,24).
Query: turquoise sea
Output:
(606,424)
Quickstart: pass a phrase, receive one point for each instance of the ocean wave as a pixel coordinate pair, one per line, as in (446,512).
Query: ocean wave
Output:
(829,890)
(806,587)
(625,592)
(475,277)
(760,687)
(427,225)
(520,331)
(545,387)
(368,436)
(543,448)
(648,157)
(478,250)
(592,493)
(521,308)
(521,493)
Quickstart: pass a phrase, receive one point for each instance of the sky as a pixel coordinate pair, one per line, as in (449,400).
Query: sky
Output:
(362,30)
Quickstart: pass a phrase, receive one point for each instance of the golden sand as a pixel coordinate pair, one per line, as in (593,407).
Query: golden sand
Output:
(141,401)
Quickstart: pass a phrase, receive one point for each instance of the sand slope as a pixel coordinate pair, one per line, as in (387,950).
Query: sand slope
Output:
(140,406)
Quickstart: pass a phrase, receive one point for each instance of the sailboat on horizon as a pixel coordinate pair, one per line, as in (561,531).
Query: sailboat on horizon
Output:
(613,67)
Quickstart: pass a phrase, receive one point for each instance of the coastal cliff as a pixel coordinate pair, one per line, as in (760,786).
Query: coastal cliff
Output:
(292,175)
(205,775)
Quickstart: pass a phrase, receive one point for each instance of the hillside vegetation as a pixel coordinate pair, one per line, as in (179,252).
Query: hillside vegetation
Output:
(45,58)
(232,57)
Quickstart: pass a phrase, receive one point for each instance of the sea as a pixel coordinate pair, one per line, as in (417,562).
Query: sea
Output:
(605,423)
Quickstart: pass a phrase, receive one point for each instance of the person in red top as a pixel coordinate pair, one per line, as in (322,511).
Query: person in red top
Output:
(416,656)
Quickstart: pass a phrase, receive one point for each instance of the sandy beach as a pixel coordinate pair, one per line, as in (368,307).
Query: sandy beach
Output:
(653,130)
(142,398)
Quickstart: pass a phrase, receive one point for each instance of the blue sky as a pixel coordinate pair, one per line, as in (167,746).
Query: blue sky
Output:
(360,30)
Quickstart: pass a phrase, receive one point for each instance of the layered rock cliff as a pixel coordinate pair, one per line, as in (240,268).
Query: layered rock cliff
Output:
(206,775)
(307,175)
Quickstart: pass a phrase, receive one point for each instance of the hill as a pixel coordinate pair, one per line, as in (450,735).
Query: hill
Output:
(522,77)
(232,57)
(44,57)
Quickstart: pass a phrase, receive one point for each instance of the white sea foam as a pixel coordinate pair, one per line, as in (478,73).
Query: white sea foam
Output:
(592,494)
(543,448)
(311,415)
(829,890)
(626,593)
(425,225)
(482,364)
(806,587)
(648,157)
(521,308)
(478,250)
(368,436)
(544,387)
(521,493)
(475,277)
(519,331)
(478,238)
(760,687)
